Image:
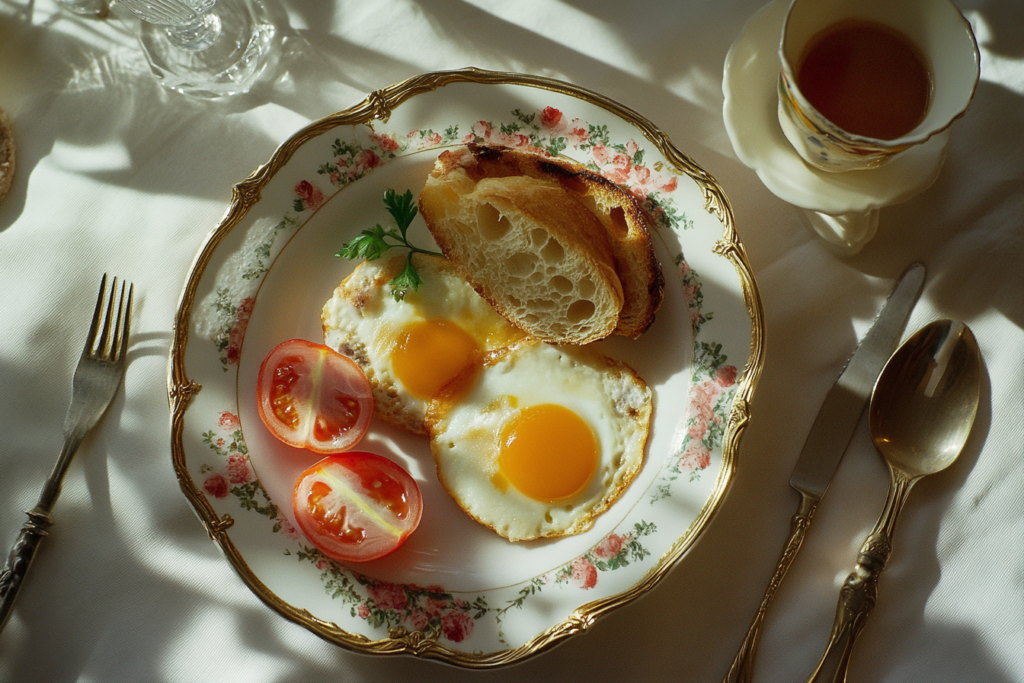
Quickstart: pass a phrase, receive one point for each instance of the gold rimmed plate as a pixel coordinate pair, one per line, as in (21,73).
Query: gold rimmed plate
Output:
(456,591)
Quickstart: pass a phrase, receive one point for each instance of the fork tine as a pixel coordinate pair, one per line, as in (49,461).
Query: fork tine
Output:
(90,341)
(122,341)
(115,337)
(101,347)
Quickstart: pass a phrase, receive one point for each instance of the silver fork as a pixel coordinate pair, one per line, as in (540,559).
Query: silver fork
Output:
(99,373)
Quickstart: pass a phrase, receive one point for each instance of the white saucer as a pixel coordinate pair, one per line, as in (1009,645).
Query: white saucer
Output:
(751,120)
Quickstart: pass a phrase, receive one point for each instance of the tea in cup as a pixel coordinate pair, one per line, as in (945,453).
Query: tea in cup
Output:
(863,80)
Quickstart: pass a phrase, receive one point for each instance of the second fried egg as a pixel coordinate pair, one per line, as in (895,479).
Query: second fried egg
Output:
(541,439)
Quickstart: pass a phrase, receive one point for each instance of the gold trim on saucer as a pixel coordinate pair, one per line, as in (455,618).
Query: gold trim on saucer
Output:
(379,105)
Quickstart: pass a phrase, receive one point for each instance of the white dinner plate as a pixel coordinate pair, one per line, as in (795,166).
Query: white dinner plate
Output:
(456,591)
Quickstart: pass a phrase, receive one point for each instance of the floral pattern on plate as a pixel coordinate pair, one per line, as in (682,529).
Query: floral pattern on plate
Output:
(546,131)
(384,605)
(468,625)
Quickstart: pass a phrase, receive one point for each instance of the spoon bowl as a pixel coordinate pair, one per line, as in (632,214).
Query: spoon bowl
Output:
(925,400)
(922,409)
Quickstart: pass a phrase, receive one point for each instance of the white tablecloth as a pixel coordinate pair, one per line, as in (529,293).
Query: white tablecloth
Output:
(116,175)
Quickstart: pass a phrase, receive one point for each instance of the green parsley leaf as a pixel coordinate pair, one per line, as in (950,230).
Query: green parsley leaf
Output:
(402,209)
(406,279)
(371,244)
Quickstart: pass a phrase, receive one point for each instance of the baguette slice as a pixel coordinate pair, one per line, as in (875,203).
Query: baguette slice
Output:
(531,249)
(626,223)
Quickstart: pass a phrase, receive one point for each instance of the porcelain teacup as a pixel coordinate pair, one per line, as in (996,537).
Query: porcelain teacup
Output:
(940,34)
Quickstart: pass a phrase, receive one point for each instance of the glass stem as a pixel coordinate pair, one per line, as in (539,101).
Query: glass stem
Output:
(197,35)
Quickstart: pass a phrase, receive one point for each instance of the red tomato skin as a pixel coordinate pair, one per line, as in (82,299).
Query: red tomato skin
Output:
(386,487)
(340,411)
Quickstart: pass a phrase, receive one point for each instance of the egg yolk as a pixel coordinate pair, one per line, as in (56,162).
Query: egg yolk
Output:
(430,353)
(547,452)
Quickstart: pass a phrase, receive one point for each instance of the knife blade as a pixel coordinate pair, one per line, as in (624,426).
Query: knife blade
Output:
(829,437)
(845,402)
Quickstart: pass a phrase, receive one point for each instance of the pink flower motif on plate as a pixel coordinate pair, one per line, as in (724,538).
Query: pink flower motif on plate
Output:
(386,141)
(388,595)
(418,620)
(483,129)
(456,626)
(238,468)
(619,171)
(363,611)
(310,194)
(689,291)
(726,375)
(702,399)
(610,546)
(366,160)
(553,120)
(577,134)
(287,528)
(584,574)
(228,421)
(434,608)
(696,456)
(216,485)
(698,430)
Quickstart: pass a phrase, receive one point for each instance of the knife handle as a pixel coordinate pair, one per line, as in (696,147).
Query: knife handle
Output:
(20,559)
(743,665)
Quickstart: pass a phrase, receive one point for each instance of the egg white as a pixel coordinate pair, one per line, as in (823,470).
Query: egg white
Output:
(363,321)
(613,401)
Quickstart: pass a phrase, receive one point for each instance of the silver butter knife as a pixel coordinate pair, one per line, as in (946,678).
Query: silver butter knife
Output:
(829,436)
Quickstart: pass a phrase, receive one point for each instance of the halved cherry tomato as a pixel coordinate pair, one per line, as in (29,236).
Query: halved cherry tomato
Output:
(311,396)
(356,506)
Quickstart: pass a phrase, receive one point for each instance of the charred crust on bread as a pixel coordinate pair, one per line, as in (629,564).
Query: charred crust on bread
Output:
(627,223)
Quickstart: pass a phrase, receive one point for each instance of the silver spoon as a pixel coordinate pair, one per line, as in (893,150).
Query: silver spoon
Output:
(922,409)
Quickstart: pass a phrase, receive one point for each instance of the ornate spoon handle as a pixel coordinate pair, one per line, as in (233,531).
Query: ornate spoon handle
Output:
(860,589)
(743,665)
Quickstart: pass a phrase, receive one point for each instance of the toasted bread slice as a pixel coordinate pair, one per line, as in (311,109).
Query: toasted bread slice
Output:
(528,247)
(626,223)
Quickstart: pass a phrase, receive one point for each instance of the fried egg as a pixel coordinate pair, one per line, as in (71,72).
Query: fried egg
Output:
(540,440)
(409,349)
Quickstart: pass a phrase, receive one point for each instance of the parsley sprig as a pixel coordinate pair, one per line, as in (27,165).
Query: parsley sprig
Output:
(371,244)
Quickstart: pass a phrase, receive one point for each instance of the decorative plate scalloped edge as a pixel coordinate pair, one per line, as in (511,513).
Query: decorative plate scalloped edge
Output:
(429,621)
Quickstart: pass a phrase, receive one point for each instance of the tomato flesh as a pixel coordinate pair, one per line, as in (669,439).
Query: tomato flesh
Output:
(356,506)
(311,396)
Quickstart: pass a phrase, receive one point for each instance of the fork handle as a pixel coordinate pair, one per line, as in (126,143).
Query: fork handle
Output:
(33,531)
(18,562)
